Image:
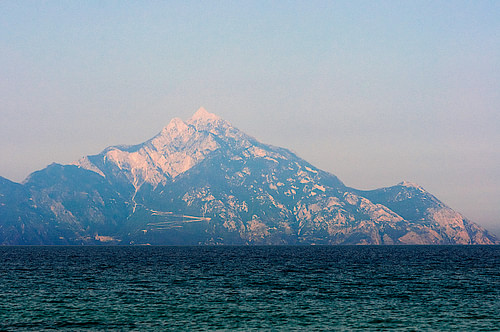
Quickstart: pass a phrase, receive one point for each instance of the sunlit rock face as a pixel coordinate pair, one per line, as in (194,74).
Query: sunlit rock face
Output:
(203,181)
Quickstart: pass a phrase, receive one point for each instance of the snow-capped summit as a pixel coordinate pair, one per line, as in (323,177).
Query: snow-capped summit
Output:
(203,120)
(203,115)
(176,125)
(409,184)
(177,148)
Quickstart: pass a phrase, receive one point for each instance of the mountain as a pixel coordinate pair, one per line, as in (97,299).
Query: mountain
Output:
(203,181)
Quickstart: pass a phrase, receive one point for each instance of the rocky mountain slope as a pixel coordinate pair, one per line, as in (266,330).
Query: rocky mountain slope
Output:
(204,181)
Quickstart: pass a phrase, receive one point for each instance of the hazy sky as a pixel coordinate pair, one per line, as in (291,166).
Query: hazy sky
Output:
(375,92)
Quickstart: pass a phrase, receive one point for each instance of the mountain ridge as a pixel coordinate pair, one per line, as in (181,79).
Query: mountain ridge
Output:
(203,181)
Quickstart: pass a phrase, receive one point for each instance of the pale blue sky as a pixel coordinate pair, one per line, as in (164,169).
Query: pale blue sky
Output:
(375,92)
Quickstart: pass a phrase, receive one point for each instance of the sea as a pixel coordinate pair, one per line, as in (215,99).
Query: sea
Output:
(250,288)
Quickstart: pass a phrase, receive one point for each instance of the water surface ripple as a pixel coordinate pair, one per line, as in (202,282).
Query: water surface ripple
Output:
(404,288)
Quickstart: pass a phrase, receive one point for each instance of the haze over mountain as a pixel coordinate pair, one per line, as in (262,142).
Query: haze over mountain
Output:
(204,181)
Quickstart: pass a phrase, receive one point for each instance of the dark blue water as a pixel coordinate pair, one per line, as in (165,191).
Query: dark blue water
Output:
(250,288)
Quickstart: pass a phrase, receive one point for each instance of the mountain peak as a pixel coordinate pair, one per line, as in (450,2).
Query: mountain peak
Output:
(175,125)
(203,120)
(409,184)
(203,115)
